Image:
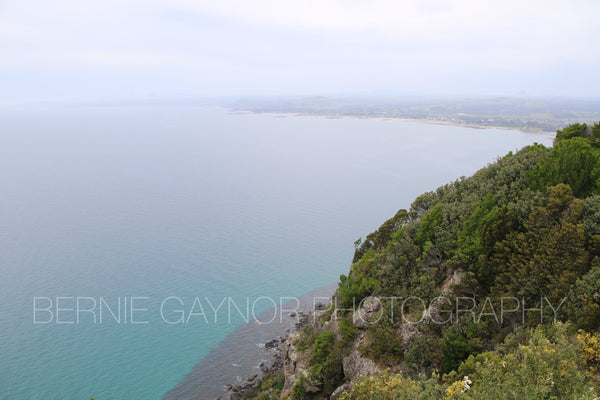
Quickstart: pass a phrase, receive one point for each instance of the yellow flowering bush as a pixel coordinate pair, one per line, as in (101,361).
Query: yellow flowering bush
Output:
(547,366)
(455,390)
(397,387)
(590,350)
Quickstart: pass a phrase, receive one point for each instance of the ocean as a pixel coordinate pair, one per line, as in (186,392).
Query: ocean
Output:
(124,228)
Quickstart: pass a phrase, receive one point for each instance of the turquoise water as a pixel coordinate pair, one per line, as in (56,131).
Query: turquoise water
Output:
(153,202)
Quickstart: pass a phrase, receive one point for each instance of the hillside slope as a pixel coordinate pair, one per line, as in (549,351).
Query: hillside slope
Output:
(488,287)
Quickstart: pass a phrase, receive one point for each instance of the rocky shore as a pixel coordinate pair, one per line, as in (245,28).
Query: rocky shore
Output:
(276,363)
(236,391)
(240,355)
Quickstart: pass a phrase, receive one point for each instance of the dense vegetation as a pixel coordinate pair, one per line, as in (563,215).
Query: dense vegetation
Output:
(514,253)
(546,365)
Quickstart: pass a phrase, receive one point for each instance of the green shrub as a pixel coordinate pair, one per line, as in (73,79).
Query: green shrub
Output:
(268,388)
(325,363)
(347,332)
(383,345)
(306,339)
(431,220)
(352,289)
(298,391)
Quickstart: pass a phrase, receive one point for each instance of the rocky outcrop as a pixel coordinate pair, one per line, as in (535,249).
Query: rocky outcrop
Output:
(456,279)
(294,364)
(338,392)
(367,313)
(356,365)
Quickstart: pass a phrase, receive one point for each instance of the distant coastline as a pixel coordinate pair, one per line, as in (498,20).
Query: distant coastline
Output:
(431,121)
(516,113)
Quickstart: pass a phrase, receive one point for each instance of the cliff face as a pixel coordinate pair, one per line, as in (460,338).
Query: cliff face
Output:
(296,362)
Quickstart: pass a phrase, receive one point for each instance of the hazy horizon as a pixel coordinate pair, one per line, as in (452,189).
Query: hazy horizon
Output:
(111,50)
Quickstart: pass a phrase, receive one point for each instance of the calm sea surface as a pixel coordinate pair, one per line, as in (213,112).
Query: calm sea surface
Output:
(163,205)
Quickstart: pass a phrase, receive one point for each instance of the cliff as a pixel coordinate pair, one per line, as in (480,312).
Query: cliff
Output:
(485,288)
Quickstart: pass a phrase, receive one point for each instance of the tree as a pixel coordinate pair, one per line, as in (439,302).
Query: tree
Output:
(549,256)
(571,161)
(583,303)
(571,131)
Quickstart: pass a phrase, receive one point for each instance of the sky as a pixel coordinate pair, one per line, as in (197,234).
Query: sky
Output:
(126,49)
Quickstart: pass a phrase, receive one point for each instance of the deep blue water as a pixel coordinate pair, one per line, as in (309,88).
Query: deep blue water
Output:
(153,202)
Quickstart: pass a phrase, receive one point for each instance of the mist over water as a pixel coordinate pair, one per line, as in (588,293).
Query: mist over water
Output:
(159,202)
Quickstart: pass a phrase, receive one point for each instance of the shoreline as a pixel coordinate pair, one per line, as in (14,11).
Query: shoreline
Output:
(247,351)
(283,114)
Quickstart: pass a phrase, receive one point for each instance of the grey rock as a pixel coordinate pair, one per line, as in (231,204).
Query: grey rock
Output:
(263,367)
(341,389)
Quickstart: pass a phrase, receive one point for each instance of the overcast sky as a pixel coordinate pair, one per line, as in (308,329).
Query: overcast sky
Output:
(88,49)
